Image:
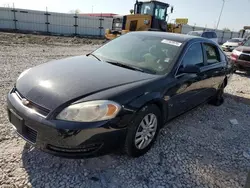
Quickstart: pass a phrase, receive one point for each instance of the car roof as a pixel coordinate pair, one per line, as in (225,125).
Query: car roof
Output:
(170,36)
(238,38)
(203,31)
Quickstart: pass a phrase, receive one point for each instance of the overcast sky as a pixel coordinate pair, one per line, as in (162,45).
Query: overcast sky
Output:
(199,12)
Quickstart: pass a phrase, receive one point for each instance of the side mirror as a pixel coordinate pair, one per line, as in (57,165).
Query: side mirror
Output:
(192,69)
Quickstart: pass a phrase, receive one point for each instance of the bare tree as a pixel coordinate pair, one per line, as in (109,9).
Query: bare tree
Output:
(226,29)
(77,11)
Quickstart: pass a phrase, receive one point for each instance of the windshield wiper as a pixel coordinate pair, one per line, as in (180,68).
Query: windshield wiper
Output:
(131,67)
(94,56)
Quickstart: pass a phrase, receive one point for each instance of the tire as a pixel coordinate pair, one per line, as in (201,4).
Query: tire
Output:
(131,148)
(218,99)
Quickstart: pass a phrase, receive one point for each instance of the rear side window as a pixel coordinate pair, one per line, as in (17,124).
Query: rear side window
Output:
(213,55)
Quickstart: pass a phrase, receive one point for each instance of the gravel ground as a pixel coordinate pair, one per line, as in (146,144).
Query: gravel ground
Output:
(199,149)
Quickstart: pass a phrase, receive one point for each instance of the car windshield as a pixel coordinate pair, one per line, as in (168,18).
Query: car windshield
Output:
(247,43)
(234,40)
(148,53)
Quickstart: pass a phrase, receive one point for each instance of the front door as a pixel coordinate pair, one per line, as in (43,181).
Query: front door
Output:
(189,88)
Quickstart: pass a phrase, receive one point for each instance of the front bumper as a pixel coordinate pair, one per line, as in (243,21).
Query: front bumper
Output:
(228,48)
(67,139)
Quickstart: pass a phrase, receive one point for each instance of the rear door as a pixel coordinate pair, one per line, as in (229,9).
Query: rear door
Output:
(215,67)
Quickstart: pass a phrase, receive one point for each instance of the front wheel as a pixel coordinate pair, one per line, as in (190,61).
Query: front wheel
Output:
(143,131)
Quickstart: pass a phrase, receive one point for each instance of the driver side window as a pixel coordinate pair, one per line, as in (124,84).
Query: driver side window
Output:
(194,56)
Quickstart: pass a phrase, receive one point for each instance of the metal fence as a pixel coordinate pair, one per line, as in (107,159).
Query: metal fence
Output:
(223,36)
(73,24)
(53,23)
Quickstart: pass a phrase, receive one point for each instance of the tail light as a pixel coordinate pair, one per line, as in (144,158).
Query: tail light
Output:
(235,55)
(240,43)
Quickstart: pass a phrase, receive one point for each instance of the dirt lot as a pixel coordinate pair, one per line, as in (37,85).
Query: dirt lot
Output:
(199,149)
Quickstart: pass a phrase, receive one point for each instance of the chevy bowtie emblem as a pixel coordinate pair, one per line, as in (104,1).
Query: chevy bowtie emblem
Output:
(25,102)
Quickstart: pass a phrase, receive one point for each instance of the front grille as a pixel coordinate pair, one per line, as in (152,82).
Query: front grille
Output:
(244,57)
(246,51)
(117,24)
(39,109)
(83,149)
(30,134)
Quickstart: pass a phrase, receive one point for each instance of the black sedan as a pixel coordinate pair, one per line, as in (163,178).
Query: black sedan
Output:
(118,96)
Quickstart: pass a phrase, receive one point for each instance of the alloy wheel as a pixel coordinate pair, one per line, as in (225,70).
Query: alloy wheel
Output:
(146,131)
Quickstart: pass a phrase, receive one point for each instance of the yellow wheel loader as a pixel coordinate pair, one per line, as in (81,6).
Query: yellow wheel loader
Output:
(148,16)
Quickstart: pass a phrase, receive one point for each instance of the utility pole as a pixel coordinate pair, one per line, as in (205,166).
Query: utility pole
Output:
(220,13)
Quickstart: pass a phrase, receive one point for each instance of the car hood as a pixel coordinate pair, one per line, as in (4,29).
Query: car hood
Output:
(244,49)
(231,44)
(55,83)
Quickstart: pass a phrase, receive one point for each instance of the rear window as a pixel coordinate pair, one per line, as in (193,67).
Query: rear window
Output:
(204,35)
(209,35)
(214,35)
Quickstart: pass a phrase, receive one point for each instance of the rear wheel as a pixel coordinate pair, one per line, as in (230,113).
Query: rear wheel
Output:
(143,131)
(218,99)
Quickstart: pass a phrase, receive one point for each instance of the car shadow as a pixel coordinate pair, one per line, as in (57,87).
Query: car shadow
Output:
(240,99)
(184,152)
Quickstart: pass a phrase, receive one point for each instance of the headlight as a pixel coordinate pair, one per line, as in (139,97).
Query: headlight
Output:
(23,73)
(90,111)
